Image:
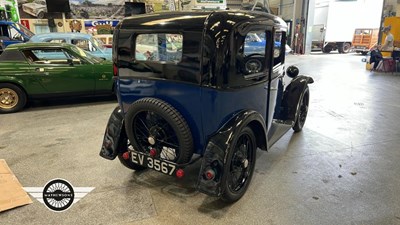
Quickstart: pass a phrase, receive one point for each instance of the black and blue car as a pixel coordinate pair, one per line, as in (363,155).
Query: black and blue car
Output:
(201,95)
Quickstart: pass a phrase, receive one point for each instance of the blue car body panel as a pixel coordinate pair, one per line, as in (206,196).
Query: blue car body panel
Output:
(99,51)
(4,25)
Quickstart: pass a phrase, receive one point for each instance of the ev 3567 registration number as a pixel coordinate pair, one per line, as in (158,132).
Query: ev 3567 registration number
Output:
(152,163)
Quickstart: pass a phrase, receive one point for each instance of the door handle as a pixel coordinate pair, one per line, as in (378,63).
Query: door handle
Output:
(39,69)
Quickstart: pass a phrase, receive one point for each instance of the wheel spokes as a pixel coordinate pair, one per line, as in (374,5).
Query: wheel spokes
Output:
(152,131)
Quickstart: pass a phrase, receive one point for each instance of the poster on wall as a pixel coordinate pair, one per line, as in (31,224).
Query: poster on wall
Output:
(98,9)
(9,10)
(80,9)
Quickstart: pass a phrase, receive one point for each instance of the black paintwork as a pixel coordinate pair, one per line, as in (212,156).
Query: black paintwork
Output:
(206,38)
(208,61)
(114,135)
(291,97)
(219,145)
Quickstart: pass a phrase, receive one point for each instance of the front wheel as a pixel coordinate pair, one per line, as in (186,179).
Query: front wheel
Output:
(240,166)
(12,98)
(302,110)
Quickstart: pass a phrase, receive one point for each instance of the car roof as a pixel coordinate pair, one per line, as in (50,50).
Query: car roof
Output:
(60,35)
(29,45)
(194,20)
(6,22)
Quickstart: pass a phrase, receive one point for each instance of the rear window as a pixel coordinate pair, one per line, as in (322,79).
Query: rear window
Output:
(159,47)
(12,55)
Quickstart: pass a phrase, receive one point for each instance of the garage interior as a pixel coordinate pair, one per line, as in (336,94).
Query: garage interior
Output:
(341,169)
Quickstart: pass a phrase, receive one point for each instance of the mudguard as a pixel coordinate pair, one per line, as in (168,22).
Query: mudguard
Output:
(291,97)
(216,153)
(114,134)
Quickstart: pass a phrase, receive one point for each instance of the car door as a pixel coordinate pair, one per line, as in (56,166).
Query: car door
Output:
(60,72)
(241,79)
(103,77)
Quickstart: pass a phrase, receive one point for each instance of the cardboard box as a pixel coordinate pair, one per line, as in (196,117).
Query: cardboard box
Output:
(11,192)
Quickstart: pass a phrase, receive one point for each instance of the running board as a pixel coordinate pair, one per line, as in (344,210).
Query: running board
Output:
(277,130)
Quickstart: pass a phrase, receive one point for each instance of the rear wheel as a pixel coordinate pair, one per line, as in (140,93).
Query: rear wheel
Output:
(302,110)
(154,124)
(240,166)
(41,15)
(346,47)
(327,49)
(12,98)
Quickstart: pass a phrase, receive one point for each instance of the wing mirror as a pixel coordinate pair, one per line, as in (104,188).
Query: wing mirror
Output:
(292,71)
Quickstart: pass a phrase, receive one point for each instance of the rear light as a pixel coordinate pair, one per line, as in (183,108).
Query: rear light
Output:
(115,70)
(209,174)
(180,173)
(153,152)
(125,155)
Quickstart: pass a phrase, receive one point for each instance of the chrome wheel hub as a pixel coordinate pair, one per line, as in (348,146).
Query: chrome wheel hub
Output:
(245,163)
(151,140)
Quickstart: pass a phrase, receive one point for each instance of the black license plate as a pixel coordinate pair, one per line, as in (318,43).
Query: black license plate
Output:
(152,163)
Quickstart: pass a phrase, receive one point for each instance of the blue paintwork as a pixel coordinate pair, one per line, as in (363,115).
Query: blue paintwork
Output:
(99,50)
(204,109)
(15,26)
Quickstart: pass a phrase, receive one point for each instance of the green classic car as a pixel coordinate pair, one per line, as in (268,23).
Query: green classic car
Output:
(42,70)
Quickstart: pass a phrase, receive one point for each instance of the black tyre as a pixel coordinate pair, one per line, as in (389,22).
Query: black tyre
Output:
(154,124)
(346,47)
(240,166)
(327,49)
(41,15)
(302,110)
(12,98)
(340,47)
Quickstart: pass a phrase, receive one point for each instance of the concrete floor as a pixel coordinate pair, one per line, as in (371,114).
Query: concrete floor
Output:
(342,169)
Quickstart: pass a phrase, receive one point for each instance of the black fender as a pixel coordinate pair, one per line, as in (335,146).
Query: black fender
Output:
(219,144)
(114,135)
(291,97)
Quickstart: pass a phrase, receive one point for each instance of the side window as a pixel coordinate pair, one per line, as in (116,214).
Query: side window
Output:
(84,44)
(159,47)
(255,43)
(49,56)
(57,41)
(279,48)
(12,55)
(249,59)
(14,34)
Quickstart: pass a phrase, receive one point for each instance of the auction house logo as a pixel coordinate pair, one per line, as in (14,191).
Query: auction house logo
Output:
(58,195)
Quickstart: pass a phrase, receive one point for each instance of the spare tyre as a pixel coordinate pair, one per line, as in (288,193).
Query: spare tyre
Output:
(153,124)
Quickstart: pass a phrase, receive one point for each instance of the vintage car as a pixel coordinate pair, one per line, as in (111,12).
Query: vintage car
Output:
(208,100)
(12,33)
(85,41)
(43,70)
(37,8)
